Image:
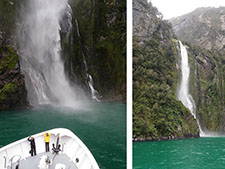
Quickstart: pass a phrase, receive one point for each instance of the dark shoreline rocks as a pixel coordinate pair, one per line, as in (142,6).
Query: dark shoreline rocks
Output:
(165,138)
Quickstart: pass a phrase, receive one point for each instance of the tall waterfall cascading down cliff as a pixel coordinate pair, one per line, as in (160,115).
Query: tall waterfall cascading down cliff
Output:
(183,95)
(41,61)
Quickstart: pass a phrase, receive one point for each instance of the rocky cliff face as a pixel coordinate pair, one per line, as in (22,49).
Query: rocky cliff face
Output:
(203,30)
(157,114)
(12,85)
(207,87)
(99,46)
(146,20)
(204,27)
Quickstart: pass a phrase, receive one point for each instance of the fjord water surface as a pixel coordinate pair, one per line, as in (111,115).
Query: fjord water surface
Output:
(102,128)
(198,153)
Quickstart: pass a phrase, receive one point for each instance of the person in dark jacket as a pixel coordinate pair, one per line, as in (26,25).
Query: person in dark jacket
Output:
(32,145)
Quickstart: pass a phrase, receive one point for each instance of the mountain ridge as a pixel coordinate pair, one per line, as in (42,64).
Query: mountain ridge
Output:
(203,32)
(204,26)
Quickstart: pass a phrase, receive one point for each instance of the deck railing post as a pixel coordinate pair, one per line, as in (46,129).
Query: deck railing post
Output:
(5,161)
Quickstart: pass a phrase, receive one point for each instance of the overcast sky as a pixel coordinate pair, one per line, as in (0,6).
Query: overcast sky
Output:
(172,8)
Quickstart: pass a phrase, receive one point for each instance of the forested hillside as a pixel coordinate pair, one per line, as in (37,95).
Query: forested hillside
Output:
(157,113)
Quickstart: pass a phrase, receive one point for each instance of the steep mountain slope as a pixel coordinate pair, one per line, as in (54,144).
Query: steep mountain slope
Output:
(204,27)
(207,86)
(204,33)
(157,114)
(99,40)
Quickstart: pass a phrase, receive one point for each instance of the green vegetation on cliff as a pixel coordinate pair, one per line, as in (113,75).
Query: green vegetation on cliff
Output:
(12,86)
(207,85)
(203,30)
(157,113)
(8,60)
(7,89)
(99,36)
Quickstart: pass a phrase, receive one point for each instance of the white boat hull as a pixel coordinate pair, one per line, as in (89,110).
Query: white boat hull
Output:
(71,146)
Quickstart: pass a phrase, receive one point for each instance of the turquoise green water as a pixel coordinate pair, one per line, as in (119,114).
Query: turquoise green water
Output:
(199,153)
(102,128)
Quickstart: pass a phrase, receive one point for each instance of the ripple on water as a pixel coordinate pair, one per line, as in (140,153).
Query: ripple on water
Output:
(207,153)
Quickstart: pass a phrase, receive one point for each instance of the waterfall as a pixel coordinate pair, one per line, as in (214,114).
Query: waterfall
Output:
(94,93)
(41,61)
(184,96)
(77,26)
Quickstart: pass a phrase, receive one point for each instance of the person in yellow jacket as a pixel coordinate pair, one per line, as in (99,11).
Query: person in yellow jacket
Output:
(47,139)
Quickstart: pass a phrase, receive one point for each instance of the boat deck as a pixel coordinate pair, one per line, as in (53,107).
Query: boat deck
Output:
(71,153)
(61,161)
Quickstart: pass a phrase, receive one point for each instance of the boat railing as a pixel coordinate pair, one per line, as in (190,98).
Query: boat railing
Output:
(17,161)
(63,146)
(5,162)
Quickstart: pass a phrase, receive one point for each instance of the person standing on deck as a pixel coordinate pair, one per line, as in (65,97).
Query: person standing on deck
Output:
(47,138)
(32,145)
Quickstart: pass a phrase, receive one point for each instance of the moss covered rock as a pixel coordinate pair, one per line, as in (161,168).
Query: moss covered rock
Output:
(12,85)
(9,59)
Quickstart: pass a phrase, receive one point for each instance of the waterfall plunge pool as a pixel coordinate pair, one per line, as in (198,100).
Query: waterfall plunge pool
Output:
(102,128)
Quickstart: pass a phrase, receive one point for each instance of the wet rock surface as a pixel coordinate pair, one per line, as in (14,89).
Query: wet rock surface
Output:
(12,86)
